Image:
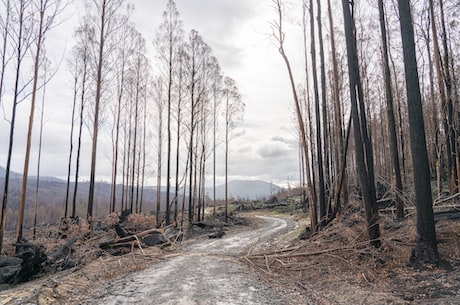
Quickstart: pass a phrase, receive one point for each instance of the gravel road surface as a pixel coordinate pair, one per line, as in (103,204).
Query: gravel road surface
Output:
(207,272)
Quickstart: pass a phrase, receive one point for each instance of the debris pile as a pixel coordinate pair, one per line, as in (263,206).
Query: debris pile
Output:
(74,243)
(338,264)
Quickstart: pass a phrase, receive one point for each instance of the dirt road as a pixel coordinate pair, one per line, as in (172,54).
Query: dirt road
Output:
(206,272)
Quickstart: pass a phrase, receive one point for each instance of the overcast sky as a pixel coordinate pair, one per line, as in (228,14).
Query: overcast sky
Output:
(237,31)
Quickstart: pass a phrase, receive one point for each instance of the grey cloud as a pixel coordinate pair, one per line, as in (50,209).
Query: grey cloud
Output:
(274,150)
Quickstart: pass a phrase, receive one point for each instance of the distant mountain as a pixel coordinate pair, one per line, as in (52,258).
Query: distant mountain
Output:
(246,189)
(15,175)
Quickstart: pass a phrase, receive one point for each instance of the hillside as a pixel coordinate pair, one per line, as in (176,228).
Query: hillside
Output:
(52,194)
(245,189)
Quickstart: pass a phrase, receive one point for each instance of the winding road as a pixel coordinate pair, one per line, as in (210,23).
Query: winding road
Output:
(207,272)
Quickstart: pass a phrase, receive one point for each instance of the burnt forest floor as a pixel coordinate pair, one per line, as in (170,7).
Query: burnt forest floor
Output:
(198,270)
(337,265)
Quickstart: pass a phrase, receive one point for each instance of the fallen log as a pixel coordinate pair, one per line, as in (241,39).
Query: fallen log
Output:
(154,239)
(61,258)
(62,252)
(217,234)
(120,231)
(130,238)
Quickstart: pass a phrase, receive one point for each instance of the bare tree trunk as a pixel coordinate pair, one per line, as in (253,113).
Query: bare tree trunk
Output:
(127,159)
(319,142)
(190,152)
(402,146)
(195,173)
(74,106)
(136,116)
(138,177)
(144,153)
(214,147)
(452,133)
(227,122)
(100,63)
(279,36)
(179,118)
(37,184)
(20,49)
(185,188)
(338,115)
(168,136)
(435,153)
(303,134)
(117,128)
(443,98)
(361,136)
(25,174)
(324,121)
(82,109)
(390,115)
(159,102)
(123,170)
(426,249)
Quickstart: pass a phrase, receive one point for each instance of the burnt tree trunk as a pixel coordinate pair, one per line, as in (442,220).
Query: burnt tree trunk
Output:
(363,150)
(426,249)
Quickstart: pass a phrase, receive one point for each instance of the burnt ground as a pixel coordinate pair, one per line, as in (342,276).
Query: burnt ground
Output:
(337,265)
(263,262)
(198,271)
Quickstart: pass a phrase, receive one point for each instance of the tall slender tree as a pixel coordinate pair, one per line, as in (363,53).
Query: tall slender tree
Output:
(426,249)
(216,101)
(21,45)
(319,141)
(390,114)
(73,65)
(140,63)
(106,10)
(324,116)
(45,22)
(121,54)
(446,106)
(169,36)
(180,83)
(159,107)
(279,36)
(84,35)
(233,111)
(341,156)
(40,141)
(198,53)
(363,151)
(452,123)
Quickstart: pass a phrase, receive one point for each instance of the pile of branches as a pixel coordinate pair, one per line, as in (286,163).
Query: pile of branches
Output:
(55,249)
(75,242)
(137,231)
(343,245)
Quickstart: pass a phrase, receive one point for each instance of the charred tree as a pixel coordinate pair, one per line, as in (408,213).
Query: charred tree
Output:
(363,153)
(390,115)
(426,249)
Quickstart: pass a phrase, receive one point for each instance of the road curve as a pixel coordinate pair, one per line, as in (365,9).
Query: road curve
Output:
(208,272)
